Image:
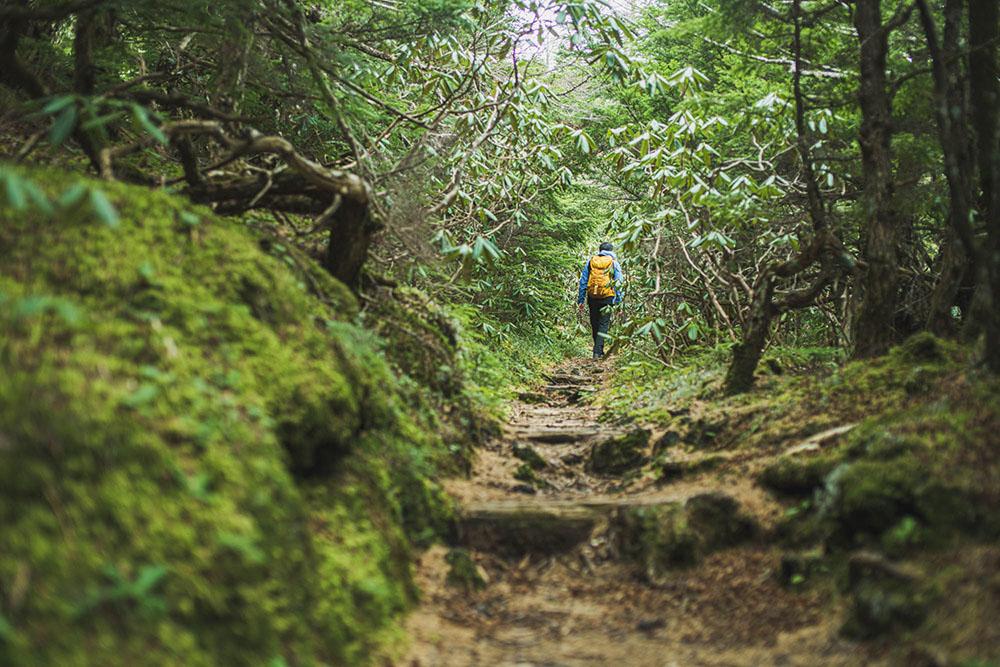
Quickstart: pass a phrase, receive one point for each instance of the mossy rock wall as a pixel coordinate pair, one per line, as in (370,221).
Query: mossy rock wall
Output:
(202,460)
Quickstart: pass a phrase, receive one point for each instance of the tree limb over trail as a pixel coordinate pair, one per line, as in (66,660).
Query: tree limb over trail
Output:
(340,198)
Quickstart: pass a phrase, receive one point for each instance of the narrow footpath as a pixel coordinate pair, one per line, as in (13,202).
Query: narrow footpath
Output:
(558,570)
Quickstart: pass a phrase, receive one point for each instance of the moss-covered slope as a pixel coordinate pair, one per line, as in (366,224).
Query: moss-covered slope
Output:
(201,458)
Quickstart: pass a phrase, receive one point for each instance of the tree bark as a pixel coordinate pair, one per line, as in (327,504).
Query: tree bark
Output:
(351,232)
(958,252)
(984,33)
(886,229)
(747,353)
(824,248)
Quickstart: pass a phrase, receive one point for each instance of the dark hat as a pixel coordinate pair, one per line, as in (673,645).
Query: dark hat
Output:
(607,246)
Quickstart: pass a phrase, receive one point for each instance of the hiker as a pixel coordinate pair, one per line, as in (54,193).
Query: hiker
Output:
(600,285)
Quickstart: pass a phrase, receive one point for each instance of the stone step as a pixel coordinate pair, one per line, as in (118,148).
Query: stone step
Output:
(539,525)
(567,378)
(516,528)
(556,436)
(697,520)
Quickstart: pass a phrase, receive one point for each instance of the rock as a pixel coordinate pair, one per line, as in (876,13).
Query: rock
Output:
(797,568)
(532,397)
(656,538)
(572,459)
(650,625)
(619,454)
(923,346)
(718,521)
(561,436)
(660,538)
(886,597)
(463,571)
(797,475)
(666,441)
(872,566)
(669,470)
(517,528)
(865,498)
(524,488)
(526,473)
(528,454)
(703,432)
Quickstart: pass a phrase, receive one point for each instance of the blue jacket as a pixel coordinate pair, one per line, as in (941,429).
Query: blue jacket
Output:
(616,278)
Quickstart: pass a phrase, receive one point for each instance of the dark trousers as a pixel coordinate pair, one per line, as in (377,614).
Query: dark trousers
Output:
(600,321)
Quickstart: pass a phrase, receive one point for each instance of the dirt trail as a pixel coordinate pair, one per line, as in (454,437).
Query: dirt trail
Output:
(558,591)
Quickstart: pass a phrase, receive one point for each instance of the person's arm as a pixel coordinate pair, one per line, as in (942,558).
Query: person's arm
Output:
(581,295)
(618,278)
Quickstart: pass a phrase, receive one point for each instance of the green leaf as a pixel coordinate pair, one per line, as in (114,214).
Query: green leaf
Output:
(58,103)
(6,630)
(37,197)
(243,545)
(149,577)
(72,196)
(141,115)
(100,121)
(16,196)
(103,208)
(141,396)
(63,125)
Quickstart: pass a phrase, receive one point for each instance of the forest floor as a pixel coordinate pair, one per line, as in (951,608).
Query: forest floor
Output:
(546,582)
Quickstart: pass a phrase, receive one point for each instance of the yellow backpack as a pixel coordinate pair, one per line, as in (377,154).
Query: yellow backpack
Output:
(601,274)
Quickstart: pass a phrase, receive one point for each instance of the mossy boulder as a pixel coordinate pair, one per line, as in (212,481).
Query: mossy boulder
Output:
(718,521)
(884,597)
(668,440)
(864,499)
(923,347)
(526,473)
(530,456)
(797,568)
(663,537)
(429,348)
(423,339)
(202,461)
(656,538)
(463,572)
(619,454)
(668,470)
(798,475)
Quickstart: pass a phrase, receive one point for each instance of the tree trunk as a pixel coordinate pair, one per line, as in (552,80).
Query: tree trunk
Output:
(747,353)
(952,277)
(984,32)
(886,230)
(351,233)
(958,251)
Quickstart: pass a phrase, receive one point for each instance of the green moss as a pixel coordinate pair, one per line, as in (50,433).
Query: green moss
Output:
(201,461)
(657,538)
(463,571)
(718,521)
(531,457)
(526,473)
(798,475)
(619,454)
(660,538)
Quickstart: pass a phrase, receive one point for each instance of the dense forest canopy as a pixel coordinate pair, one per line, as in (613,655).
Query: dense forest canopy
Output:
(279,266)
